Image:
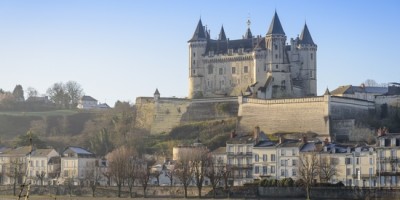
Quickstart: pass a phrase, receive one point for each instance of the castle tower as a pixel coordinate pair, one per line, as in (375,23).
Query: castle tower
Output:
(308,66)
(156,95)
(197,47)
(277,61)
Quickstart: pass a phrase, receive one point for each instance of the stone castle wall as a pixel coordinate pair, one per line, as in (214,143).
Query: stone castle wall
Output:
(164,114)
(285,115)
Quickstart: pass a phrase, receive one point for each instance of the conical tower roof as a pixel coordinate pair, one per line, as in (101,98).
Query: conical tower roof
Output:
(222,35)
(305,36)
(275,28)
(199,33)
(156,92)
(327,92)
(248,34)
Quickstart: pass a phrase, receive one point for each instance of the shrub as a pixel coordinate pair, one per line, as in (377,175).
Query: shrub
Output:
(289,182)
(299,183)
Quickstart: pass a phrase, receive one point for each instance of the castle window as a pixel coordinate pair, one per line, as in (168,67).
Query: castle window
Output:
(210,69)
(211,53)
(233,70)
(276,47)
(276,56)
(194,54)
(220,71)
(276,66)
(265,67)
(230,52)
(312,56)
(246,69)
(194,72)
(311,74)
(194,62)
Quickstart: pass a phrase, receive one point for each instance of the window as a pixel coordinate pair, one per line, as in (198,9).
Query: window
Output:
(256,158)
(282,172)
(283,162)
(348,161)
(42,163)
(276,47)
(240,149)
(230,149)
(312,56)
(282,152)
(265,67)
(294,162)
(248,161)
(348,171)
(220,71)
(272,169)
(371,171)
(230,161)
(273,157)
(246,69)
(233,70)
(194,54)
(276,66)
(357,161)
(276,56)
(294,173)
(264,169)
(265,157)
(371,161)
(293,150)
(210,69)
(256,170)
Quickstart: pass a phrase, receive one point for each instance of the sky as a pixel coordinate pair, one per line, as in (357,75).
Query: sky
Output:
(123,49)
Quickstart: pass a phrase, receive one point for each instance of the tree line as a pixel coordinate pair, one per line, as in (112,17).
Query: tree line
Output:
(58,96)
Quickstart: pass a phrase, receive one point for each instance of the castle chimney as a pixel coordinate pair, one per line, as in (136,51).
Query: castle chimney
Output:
(256,133)
(233,134)
(326,141)
(304,140)
(280,139)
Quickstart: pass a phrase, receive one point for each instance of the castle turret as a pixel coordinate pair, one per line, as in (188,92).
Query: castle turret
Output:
(308,56)
(222,35)
(197,47)
(277,61)
(156,95)
(248,34)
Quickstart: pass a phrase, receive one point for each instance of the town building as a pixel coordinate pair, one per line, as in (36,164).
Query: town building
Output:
(76,162)
(43,170)
(388,154)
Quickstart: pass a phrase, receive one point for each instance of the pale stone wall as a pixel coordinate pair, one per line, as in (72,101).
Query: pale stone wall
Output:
(166,113)
(285,115)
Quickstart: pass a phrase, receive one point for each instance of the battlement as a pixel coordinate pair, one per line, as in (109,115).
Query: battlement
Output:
(282,101)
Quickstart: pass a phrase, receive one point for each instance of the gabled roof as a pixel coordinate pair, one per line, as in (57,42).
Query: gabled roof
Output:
(77,152)
(327,92)
(275,28)
(20,151)
(199,33)
(88,98)
(305,36)
(41,152)
(222,35)
(220,150)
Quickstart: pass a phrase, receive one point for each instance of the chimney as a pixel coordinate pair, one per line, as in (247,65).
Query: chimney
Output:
(333,149)
(304,140)
(348,149)
(325,148)
(233,134)
(281,139)
(326,141)
(256,133)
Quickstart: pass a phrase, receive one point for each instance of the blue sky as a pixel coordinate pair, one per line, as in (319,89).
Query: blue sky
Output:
(119,50)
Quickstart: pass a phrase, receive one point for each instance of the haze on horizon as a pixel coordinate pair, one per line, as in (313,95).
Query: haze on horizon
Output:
(119,50)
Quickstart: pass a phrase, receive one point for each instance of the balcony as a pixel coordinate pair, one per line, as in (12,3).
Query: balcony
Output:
(241,176)
(241,166)
(387,173)
(364,176)
(391,159)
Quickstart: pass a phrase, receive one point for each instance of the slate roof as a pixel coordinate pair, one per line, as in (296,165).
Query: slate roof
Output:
(220,150)
(222,46)
(265,143)
(248,34)
(88,98)
(305,36)
(41,152)
(275,28)
(77,152)
(199,33)
(19,151)
(157,92)
(349,89)
(291,143)
(241,139)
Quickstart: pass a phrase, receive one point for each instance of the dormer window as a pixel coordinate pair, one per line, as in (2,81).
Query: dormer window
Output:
(240,50)
(211,53)
(230,52)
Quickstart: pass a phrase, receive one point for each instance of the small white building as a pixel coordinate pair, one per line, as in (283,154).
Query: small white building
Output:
(87,102)
(39,170)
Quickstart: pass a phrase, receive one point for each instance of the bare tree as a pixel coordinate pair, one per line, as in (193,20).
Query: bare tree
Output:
(308,170)
(93,176)
(226,174)
(40,176)
(156,174)
(214,171)
(144,173)
(118,161)
(199,165)
(327,168)
(16,170)
(170,173)
(132,173)
(183,169)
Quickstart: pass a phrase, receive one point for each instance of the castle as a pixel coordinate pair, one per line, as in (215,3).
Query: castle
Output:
(266,67)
